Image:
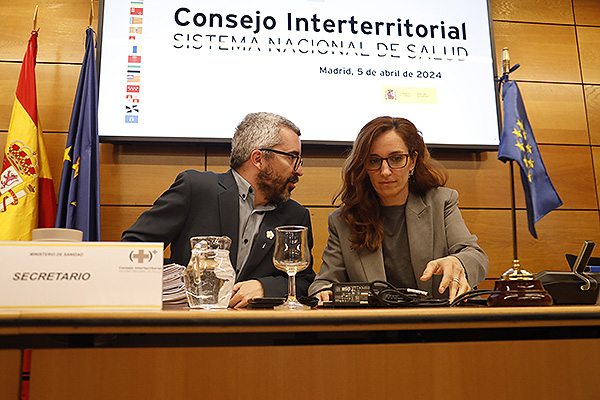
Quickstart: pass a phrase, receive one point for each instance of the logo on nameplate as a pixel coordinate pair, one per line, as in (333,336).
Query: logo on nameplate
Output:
(141,256)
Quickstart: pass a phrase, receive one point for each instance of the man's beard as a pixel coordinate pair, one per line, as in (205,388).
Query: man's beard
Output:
(274,187)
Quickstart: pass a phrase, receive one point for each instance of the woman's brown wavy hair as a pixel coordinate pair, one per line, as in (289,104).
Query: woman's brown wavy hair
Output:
(361,206)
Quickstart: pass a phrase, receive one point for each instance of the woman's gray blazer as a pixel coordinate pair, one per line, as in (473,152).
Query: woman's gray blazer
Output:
(435,229)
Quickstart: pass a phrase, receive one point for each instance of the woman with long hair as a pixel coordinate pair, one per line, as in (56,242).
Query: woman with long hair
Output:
(397,223)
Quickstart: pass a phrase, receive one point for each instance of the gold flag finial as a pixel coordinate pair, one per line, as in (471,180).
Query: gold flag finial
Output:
(91,13)
(505,61)
(35,18)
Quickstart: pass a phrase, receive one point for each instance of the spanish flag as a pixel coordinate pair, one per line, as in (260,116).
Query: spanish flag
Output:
(27,199)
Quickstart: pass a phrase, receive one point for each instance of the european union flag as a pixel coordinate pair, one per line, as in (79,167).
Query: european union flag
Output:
(79,196)
(517,143)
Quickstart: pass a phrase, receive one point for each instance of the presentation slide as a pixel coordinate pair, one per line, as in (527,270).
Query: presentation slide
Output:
(186,70)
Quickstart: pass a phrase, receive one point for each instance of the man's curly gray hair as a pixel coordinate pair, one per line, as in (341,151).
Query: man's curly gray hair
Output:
(257,131)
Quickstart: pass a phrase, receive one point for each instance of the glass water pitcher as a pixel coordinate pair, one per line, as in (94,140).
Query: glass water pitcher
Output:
(209,276)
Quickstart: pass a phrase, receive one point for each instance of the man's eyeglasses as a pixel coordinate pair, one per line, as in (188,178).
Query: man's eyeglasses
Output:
(396,161)
(296,159)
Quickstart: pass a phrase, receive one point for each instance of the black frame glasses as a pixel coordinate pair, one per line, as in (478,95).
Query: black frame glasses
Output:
(397,164)
(295,157)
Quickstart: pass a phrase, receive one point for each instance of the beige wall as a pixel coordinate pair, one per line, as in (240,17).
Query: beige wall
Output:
(557,45)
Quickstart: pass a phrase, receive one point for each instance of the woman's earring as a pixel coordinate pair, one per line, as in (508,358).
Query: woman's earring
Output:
(411,176)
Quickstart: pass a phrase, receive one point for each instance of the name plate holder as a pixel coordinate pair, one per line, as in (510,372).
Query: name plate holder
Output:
(82,275)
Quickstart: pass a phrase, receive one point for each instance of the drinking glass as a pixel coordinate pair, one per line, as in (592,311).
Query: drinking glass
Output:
(291,255)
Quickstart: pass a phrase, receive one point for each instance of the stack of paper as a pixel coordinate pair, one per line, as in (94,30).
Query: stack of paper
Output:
(173,285)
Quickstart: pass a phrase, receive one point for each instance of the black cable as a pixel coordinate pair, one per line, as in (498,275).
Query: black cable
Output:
(468,295)
(310,301)
(387,294)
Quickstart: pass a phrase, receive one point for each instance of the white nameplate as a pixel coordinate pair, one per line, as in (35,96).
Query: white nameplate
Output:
(83,275)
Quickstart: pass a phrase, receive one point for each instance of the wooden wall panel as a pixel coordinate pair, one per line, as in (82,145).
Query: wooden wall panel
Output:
(547,11)
(217,159)
(556,112)
(592,100)
(9,74)
(589,48)
(471,174)
(453,370)
(493,231)
(56,85)
(587,12)
(320,233)
(596,157)
(321,181)
(10,374)
(547,53)
(559,232)
(136,174)
(484,182)
(62,25)
(571,170)
(116,219)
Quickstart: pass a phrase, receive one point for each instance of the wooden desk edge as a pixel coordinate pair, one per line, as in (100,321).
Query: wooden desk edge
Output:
(89,322)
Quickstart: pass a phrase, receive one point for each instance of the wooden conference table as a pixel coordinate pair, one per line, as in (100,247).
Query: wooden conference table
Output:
(424,353)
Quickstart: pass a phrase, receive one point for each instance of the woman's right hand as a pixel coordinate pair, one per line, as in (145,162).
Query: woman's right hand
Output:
(325,295)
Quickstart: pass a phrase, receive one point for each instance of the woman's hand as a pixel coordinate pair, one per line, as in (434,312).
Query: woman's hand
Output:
(326,295)
(454,277)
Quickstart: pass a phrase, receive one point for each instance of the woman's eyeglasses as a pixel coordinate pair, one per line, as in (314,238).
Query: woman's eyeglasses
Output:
(396,161)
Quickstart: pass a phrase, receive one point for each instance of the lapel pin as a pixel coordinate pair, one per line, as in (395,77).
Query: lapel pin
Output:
(270,235)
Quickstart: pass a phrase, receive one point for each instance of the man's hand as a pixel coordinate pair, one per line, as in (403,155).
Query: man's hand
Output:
(244,291)
(454,277)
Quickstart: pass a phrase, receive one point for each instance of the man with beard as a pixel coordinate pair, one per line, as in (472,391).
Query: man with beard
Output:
(246,204)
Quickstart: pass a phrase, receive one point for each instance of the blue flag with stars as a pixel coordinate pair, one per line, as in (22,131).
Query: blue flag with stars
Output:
(517,143)
(79,196)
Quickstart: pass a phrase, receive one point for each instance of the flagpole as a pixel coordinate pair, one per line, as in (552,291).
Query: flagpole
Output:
(513,213)
(513,208)
(515,272)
